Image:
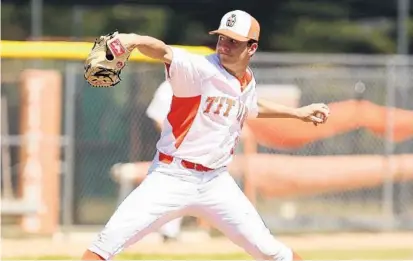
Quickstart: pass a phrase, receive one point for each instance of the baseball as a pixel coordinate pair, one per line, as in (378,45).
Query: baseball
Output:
(320,116)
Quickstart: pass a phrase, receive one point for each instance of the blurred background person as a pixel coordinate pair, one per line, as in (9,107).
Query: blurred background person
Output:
(158,110)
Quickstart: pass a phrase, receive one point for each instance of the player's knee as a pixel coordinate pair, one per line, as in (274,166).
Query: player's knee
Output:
(108,243)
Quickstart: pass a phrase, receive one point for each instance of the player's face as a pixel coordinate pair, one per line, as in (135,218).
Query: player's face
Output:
(231,51)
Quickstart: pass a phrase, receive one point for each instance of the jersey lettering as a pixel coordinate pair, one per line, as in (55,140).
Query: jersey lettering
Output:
(220,101)
(209,101)
(230,104)
(223,106)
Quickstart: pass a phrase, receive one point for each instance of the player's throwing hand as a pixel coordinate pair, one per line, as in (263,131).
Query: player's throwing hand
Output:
(316,113)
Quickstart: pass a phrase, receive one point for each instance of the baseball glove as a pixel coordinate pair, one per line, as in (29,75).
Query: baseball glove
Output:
(107,58)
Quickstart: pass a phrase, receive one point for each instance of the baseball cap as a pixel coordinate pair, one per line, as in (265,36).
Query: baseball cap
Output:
(239,25)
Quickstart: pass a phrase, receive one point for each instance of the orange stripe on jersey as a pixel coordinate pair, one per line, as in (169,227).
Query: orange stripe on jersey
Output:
(182,115)
(245,79)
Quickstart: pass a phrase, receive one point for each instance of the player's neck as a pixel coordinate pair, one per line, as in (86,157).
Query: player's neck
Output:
(237,70)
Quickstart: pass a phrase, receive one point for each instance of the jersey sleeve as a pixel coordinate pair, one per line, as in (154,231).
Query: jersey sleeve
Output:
(159,107)
(186,72)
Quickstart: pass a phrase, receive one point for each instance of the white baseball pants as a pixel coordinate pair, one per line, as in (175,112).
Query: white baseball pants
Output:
(171,191)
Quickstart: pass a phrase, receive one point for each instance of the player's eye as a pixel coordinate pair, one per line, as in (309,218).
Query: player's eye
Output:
(231,41)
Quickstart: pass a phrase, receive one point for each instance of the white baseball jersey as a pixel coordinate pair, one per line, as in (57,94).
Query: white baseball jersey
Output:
(159,107)
(207,112)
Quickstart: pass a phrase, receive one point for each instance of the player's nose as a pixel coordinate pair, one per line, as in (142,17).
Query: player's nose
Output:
(223,49)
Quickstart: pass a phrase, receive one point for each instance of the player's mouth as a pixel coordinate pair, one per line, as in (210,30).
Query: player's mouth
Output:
(224,53)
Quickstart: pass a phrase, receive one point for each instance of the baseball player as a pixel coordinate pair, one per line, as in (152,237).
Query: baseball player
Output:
(212,97)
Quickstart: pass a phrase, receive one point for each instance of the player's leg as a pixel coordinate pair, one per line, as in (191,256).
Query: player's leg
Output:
(230,211)
(159,199)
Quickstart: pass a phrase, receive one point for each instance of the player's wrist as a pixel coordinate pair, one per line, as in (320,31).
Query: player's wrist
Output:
(290,112)
(297,113)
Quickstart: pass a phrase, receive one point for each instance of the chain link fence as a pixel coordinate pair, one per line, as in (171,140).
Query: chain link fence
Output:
(109,126)
(380,80)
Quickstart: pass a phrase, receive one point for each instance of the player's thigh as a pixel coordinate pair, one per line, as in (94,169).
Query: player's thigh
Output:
(230,211)
(157,200)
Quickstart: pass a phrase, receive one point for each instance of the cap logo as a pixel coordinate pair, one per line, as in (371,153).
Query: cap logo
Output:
(231,20)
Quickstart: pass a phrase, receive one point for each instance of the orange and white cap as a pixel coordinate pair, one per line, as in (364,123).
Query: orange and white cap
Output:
(239,25)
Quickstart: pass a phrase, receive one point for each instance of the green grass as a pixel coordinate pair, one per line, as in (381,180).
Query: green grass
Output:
(361,254)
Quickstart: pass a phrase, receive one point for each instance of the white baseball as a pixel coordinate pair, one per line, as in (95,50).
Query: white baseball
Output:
(320,116)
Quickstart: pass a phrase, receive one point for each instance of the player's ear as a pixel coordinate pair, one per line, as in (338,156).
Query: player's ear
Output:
(252,47)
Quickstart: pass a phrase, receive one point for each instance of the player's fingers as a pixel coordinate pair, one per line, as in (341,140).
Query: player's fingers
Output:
(324,111)
(324,114)
(316,119)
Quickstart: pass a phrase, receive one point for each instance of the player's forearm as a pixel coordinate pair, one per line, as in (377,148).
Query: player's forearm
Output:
(152,47)
(268,109)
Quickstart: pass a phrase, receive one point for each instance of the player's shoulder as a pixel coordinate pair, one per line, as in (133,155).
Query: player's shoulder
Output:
(214,65)
(212,59)
(208,64)
(194,57)
(183,52)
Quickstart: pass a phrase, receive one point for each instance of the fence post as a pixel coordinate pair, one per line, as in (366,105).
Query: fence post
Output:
(388,189)
(39,156)
(69,148)
(401,190)
(5,152)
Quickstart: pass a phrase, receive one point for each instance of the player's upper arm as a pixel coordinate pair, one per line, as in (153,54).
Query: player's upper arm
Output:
(185,71)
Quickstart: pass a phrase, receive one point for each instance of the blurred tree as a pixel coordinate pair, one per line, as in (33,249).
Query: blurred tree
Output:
(340,35)
(356,26)
(15,22)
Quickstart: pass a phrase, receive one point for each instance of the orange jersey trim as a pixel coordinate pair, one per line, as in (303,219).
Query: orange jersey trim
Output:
(182,116)
(245,79)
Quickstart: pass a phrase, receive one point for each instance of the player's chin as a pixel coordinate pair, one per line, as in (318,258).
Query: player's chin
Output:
(223,55)
(225,58)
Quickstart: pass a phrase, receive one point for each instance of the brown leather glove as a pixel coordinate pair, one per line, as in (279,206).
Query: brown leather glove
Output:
(107,58)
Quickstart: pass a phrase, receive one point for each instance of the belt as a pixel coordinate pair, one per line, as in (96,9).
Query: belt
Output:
(187,164)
